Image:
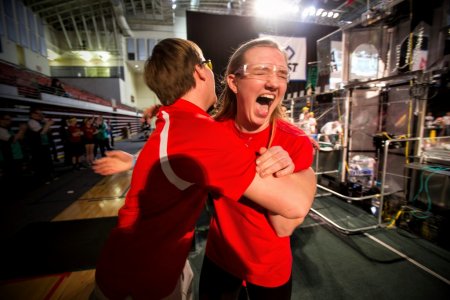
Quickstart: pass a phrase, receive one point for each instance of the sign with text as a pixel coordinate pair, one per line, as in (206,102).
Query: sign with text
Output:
(295,48)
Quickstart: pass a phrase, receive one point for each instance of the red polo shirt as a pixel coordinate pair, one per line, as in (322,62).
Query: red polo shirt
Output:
(241,239)
(187,156)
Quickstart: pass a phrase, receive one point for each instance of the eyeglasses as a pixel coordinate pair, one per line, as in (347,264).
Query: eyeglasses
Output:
(264,71)
(208,63)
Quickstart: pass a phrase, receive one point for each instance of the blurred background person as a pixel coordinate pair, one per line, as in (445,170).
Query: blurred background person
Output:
(39,145)
(11,154)
(89,132)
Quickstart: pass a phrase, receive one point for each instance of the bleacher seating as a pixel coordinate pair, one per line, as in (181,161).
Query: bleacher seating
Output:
(32,85)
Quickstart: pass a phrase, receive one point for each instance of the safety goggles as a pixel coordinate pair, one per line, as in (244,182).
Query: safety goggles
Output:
(263,71)
(208,63)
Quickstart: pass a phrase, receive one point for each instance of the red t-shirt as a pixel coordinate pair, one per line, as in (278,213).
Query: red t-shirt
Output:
(89,133)
(74,134)
(187,156)
(241,239)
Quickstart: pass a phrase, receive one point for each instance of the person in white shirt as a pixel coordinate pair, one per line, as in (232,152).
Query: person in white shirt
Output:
(331,131)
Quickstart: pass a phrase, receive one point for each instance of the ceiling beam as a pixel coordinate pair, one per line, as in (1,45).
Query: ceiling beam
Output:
(65,32)
(97,35)
(143,6)
(75,27)
(133,6)
(86,30)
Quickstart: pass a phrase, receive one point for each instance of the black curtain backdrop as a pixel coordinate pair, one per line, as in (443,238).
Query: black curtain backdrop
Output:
(220,35)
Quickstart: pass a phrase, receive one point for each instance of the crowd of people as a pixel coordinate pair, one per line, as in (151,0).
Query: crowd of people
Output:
(28,151)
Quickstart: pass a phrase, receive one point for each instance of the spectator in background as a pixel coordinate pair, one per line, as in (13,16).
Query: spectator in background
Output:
(38,141)
(101,136)
(76,148)
(312,124)
(303,114)
(11,153)
(331,131)
(89,132)
(284,113)
(111,134)
(58,88)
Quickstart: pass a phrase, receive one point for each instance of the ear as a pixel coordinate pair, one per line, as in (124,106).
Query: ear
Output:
(232,83)
(200,71)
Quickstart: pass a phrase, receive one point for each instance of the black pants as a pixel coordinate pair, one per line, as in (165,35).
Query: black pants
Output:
(216,283)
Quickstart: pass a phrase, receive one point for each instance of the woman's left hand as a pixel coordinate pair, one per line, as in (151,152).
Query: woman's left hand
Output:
(274,161)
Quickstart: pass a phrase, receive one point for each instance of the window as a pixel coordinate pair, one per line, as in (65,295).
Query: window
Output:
(32,30)
(142,54)
(42,45)
(131,49)
(22,24)
(10,20)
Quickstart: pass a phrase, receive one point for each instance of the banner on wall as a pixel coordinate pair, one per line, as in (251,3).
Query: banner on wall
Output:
(295,48)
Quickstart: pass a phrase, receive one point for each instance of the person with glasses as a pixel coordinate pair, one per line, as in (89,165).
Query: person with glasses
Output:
(248,244)
(187,156)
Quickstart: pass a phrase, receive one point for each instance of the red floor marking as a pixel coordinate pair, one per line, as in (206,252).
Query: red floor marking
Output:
(56,285)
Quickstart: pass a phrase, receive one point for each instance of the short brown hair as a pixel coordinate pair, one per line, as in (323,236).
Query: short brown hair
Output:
(169,71)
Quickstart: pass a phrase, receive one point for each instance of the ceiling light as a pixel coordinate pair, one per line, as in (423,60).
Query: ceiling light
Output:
(335,15)
(330,14)
(319,11)
(85,55)
(324,14)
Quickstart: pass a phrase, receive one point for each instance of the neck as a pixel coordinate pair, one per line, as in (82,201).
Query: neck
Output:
(247,127)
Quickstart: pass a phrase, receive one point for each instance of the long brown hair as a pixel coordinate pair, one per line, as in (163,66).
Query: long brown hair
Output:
(227,104)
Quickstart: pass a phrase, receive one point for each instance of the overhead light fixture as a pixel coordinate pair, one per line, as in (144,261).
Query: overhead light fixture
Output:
(335,15)
(84,55)
(319,11)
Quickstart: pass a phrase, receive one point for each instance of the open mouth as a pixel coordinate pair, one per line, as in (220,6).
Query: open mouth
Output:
(263,105)
(265,100)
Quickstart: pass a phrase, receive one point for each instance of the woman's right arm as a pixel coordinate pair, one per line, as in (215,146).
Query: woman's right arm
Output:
(289,196)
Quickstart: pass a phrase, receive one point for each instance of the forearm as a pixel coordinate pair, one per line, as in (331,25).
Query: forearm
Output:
(282,226)
(289,196)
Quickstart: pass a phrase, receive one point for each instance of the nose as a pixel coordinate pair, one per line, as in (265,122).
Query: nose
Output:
(273,81)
